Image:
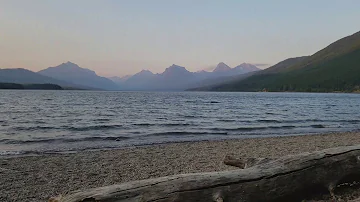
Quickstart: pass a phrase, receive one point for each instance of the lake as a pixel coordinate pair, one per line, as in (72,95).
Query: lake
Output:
(60,121)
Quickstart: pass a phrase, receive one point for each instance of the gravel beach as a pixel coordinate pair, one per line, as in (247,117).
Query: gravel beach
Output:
(37,178)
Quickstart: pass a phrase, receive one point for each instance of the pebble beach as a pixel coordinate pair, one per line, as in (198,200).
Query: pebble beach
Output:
(39,177)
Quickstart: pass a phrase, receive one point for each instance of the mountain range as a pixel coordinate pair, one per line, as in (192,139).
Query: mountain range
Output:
(24,76)
(71,76)
(72,73)
(178,78)
(336,68)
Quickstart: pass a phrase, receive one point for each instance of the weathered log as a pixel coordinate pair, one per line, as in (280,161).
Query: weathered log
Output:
(245,162)
(355,200)
(290,178)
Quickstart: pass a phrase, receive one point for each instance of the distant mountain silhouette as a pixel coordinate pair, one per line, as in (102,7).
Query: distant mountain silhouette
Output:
(140,81)
(245,68)
(24,76)
(222,67)
(175,78)
(119,80)
(72,73)
(223,70)
(179,78)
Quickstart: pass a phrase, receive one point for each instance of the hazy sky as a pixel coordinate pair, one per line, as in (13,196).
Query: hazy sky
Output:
(119,37)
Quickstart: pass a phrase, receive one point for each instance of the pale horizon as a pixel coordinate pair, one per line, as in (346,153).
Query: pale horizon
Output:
(118,38)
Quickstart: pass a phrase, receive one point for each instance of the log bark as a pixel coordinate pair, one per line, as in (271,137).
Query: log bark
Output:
(243,163)
(355,200)
(290,178)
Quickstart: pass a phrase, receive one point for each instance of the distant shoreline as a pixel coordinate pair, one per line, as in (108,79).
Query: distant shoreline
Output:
(57,87)
(17,86)
(219,91)
(35,86)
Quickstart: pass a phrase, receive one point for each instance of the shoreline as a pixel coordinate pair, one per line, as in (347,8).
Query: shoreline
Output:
(39,177)
(37,153)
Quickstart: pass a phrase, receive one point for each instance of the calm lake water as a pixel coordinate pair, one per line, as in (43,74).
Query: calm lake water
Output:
(52,121)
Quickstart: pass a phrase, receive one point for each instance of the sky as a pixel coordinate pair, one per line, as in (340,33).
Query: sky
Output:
(121,37)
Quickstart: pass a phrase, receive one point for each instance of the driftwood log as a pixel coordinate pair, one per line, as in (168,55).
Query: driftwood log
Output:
(243,163)
(290,178)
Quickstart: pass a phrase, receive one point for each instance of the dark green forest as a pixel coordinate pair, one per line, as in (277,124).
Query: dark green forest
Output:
(30,86)
(341,74)
(335,68)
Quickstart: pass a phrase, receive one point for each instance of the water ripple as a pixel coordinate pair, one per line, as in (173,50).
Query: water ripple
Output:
(41,121)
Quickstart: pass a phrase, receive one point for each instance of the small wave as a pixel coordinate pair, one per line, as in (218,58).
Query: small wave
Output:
(243,129)
(342,120)
(268,121)
(4,140)
(142,124)
(111,138)
(189,116)
(301,121)
(279,127)
(65,140)
(34,128)
(329,120)
(97,127)
(71,128)
(313,120)
(318,126)
(8,153)
(102,120)
(185,133)
(321,120)
(214,102)
(175,124)
(351,121)
(253,128)
(40,122)
(31,141)
(226,120)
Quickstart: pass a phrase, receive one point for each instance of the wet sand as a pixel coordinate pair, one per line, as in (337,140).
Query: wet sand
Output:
(37,178)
